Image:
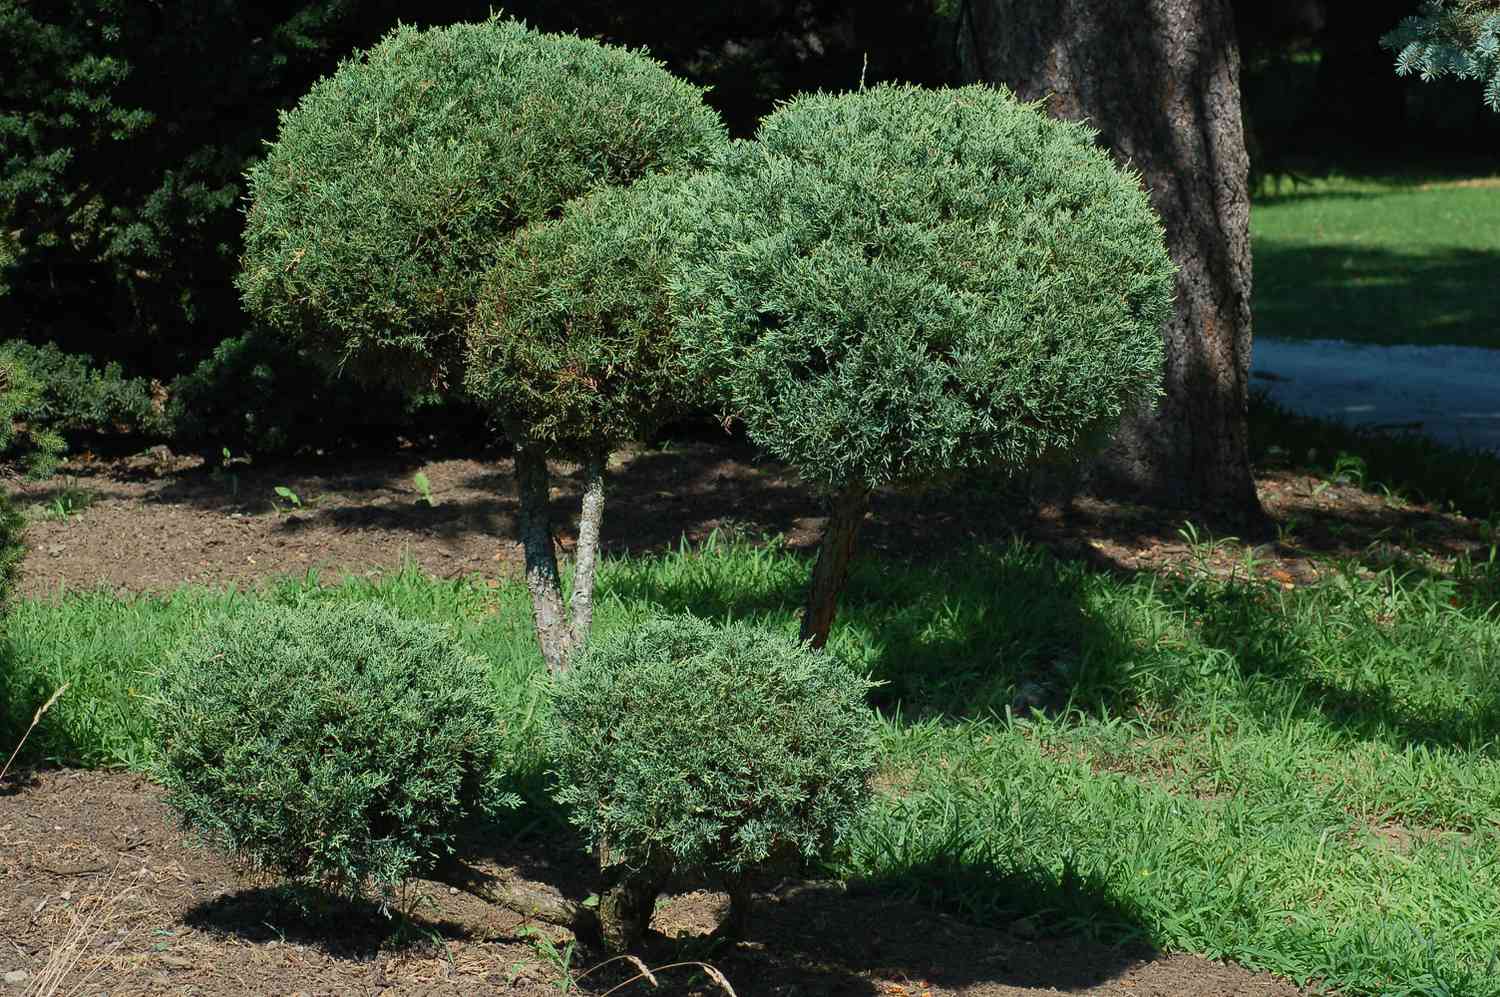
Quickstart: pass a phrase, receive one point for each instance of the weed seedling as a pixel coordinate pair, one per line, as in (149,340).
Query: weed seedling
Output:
(291,497)
(424,488)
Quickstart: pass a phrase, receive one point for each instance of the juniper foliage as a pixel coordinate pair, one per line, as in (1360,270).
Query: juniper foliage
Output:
(898,284)
(1458,38)
(572,344)
(338,746)
(394,183)
(714,748)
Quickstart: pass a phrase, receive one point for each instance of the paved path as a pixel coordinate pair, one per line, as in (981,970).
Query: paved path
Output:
(1451,393)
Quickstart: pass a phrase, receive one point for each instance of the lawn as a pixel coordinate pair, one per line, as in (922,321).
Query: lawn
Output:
(1305,781)
(1379,260)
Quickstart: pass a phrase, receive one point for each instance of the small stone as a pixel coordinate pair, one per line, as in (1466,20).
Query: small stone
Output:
(452,891)
(16,976)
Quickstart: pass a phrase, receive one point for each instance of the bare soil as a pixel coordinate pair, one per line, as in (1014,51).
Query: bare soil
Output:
(154,521)
(92,867)
(94,874)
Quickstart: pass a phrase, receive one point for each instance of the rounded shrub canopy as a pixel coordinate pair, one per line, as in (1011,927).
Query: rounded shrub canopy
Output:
(710,748)
(571,345)
(340,746)
(899,283)
(393,183)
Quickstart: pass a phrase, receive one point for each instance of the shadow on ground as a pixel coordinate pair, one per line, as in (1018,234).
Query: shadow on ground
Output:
(1360,294)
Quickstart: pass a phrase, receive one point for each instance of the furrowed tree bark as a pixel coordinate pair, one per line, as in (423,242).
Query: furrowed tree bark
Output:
(627,898)
(587,557)
(832,569)
(542,578)
(1160,80)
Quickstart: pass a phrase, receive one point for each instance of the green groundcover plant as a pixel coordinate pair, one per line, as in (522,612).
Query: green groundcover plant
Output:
(896,285)
(394,186)
(338,746)
(685,746)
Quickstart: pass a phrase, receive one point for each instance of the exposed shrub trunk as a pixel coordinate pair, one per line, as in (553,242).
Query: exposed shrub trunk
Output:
(586,559)
(834,555)
(560,629)
(628,900)
(550,618)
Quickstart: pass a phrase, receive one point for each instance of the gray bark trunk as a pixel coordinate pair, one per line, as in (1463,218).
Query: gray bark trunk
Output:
(832,570)
(586,558)
(534,483)
(1160,80)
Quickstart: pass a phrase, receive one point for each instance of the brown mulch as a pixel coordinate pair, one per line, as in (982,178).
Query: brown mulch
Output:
(153,522)
(93,869)
(165,917)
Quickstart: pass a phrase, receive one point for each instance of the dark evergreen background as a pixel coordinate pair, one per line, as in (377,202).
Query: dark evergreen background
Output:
(126,127)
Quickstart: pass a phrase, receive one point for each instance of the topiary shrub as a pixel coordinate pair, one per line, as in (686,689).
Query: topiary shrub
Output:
(571,348)
(686,746)
(893,286)
(394,185)
(339,747)
(394,182)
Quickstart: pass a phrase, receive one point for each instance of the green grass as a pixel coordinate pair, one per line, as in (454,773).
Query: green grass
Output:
(1389,260)
(1302,781)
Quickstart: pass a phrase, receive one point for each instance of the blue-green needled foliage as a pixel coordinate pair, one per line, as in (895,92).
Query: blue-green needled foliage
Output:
(387,203)
(572,344)
(394,182)
(683,745)
(1458,38)
(893,286)
(339,746)
(900,283)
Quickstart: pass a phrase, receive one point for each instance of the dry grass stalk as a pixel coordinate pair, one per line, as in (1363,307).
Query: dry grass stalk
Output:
(79,938)
(36,718)
(649,974)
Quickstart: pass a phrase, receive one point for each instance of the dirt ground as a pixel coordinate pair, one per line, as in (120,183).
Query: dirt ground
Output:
(92,868)
(154,521)
(93,872)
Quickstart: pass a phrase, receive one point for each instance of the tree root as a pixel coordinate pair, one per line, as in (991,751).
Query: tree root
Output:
(532,901)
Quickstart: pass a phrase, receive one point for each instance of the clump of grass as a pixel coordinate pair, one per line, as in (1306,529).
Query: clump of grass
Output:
(36,718)
(68,503)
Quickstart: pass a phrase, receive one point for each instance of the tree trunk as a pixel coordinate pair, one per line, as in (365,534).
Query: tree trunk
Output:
(586,558)
(832,569)
(542,578)
(1160,80)
(627,898)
